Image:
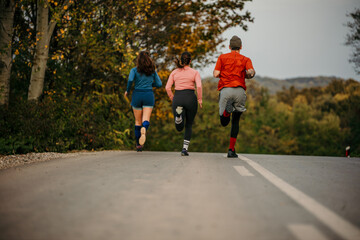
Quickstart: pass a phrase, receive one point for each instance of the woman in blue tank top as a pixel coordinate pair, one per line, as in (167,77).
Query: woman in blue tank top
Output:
(144,78)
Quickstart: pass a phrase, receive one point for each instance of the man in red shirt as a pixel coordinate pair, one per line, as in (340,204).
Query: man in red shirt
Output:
(232,69)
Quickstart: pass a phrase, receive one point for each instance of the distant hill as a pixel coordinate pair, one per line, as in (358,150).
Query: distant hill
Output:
(275,85)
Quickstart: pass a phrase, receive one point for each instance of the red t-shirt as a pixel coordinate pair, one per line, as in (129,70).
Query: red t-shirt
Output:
(232,67)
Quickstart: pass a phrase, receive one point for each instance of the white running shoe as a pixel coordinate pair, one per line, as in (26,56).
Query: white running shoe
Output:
(178,117)
(179,110)
(142,138)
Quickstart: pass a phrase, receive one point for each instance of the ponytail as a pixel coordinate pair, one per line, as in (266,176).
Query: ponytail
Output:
(185,60)
(177,62)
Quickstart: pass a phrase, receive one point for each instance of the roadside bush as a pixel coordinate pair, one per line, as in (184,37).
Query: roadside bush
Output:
(63,124)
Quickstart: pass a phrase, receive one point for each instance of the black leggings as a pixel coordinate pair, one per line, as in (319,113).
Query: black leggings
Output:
(186,99)
(235,124)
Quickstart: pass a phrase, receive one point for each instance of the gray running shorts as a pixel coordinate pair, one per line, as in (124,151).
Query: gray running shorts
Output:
(237,95)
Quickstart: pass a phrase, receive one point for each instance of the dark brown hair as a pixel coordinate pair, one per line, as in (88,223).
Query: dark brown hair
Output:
(145,64)
(185,60)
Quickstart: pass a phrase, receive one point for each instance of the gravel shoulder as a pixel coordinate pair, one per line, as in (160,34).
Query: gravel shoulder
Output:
(9,161)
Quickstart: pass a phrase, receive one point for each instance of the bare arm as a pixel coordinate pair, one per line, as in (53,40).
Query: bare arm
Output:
(198,88)
(216,73)
(168,86)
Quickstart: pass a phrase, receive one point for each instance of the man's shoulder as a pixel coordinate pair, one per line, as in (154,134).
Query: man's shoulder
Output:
(231,55)
(245,57)
(225,55)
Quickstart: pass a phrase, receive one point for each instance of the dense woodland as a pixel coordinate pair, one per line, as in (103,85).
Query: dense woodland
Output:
(75,100)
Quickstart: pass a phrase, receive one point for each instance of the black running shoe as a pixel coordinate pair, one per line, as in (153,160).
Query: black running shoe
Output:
(232,154)
(224,121)
(184,152)
(229,106)
(139,148)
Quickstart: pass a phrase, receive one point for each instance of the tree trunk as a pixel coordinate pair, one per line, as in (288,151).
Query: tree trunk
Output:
(43,35)
(7,10)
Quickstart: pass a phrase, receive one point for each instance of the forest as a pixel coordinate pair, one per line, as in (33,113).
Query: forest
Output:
(65,66)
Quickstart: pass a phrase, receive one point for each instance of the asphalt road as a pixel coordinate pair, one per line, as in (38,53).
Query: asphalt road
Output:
(161,195)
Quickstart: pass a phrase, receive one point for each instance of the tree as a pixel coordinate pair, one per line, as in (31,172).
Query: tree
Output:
(353,39)
(7,10)
(100,42)
(44,31)
(169,27)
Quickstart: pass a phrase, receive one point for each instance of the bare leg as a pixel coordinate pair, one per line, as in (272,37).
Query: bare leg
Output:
(146,114)
(138,116)
(145,124)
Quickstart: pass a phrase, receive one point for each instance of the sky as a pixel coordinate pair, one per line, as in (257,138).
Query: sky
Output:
(296,38)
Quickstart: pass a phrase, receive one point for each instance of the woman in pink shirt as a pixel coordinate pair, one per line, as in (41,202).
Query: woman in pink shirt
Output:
(184,102)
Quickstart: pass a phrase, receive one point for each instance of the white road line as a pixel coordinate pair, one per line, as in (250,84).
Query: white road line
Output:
(306,232)
(243,171)
(338,224)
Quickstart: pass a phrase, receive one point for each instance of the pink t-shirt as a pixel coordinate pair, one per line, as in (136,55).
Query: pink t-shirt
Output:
(184,78)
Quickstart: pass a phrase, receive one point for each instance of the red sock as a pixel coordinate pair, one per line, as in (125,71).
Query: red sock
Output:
(232,143)
(226,114)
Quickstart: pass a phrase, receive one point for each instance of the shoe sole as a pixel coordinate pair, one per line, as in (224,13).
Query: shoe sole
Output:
(142,138)
(178,117)
(179,110)
(229,106)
